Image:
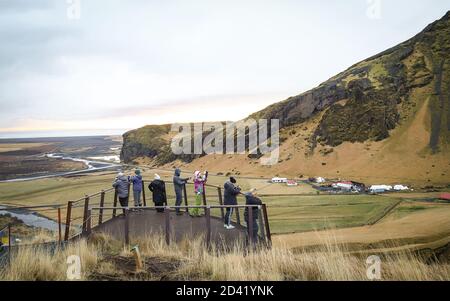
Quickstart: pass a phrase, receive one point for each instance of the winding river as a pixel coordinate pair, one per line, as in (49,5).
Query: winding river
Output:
(30,218)
(91,166)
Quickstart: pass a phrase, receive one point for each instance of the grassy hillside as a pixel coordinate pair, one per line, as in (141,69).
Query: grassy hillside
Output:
(368,122)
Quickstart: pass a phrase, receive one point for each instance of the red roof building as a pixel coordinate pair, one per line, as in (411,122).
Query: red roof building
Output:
(445,196)
(345,182)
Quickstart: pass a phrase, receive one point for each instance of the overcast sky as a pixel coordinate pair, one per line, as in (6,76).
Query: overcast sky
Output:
(116,65)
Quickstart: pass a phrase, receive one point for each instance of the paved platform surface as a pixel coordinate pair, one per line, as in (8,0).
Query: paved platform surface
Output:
(146,222)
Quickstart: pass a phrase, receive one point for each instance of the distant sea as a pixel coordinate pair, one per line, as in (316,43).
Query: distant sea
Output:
(56,134)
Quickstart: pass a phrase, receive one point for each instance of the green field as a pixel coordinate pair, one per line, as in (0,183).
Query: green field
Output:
(308,213)
(288,212)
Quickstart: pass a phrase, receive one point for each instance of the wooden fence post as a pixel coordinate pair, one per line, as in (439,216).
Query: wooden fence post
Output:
(219,192)
(129,196)
(9,235)
(238,216)
(204,197)
(9,245)
(68,220)
(167,216)
(59,225)
(266,223)
(115,203)
(102,204)
(89,223)
(143,194)
(185,197)
(208,225)
(85,213)
(250,225)
(261,223)
(127,226)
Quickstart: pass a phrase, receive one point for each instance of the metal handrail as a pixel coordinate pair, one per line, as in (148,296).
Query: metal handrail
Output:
(180,207)
(4,228)
(56,206)
(250,223)
(93,195)
(88,209)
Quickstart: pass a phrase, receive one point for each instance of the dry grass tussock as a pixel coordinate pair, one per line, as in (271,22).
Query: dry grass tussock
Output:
(192,261)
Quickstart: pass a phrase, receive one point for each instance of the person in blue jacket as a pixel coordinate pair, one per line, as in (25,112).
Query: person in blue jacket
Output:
(137,187)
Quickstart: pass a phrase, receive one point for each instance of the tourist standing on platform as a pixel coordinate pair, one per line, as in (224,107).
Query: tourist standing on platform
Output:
(231,191)
(178,184)
(122,186)
(158,189)
(199,189)
(137,188)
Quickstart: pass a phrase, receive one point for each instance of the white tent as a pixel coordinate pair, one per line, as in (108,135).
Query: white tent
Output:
(380,187)
(400,188)
(279,180)
(320,180)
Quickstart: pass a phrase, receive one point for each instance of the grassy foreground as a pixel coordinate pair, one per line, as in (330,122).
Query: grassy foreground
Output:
(105,259)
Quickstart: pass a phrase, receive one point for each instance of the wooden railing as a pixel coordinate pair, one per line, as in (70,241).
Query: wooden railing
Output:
(89,203)
(263,220)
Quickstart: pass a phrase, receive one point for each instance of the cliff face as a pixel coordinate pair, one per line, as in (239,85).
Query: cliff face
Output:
(363,103)
(373,90)
(144,142)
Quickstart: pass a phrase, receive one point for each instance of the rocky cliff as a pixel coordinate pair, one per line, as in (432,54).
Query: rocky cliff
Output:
(363,103)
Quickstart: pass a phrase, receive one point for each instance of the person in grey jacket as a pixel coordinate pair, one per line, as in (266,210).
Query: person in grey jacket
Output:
(178,184)
(230,194)
(122,184)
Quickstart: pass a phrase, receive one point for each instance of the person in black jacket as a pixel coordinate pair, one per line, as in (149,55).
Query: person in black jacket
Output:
(158,189)
(252,199)
(231,191)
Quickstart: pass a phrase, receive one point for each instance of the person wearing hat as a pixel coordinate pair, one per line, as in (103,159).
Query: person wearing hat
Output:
(121,184)
(231,191)
(137,187)
(199,188)
(158,189)
(178,184)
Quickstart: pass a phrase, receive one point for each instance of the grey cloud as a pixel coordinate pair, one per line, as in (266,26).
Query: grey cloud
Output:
(8,6)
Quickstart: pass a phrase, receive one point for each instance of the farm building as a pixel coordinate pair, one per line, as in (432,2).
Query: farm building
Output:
(349,186)
(343,185)
(318,180)
(292,183)
(380,188)
(279,180)
(445,196)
